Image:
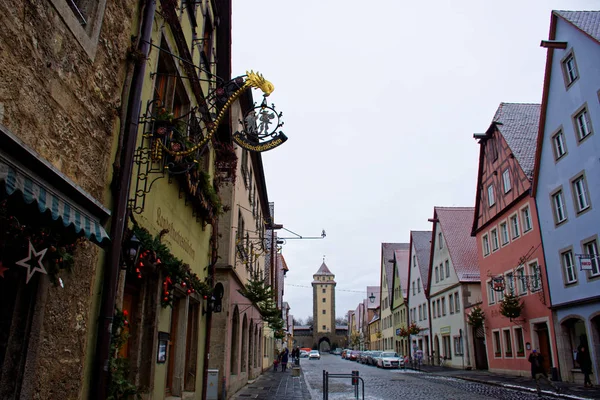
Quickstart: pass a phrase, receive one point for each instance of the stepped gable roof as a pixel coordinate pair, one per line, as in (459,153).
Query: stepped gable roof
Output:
(422,242)
(586,21)
(519,124)
(375,290)
(455,224)
(387,258)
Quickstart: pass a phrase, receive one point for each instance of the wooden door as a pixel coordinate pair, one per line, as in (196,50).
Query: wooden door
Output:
(172,346)
(544,341)
(480,349)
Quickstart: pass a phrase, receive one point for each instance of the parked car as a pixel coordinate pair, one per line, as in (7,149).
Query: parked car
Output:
(337,351)
(354,354)
(390,359)
(303,354)
(314,354)
(364,356)
(372,357)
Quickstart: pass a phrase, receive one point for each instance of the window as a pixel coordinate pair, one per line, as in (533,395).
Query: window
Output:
(451,303)
(536,278)
(583,125)
(521,281)
(514,226)
(424,310)
(497,344)
(414,261)
(323,299)
(491,293)
(442,276)
(414,288)
(447,263)
(510,283)
(443,306)
(519,342)
(420,313)
(434,311)
(560,214)
(591,249)
(419,285)
(437,275)
(570,69)
(504,233)
(559,145)
(324,290)
(456,302)
(324,327)
(486,245)
(526,215)
(506,180)
(580,194)
(569,267)
(458,345)
(507,343)
(324,312)
(491,199)
(438,308)
(440,241)
(495,244)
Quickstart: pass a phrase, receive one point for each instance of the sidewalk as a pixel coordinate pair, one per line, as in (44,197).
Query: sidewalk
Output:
(524,383)
(272,385)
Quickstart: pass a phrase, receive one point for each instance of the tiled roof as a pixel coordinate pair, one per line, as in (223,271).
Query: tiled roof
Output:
(375,290)
(323,270)
(455,223)
(587,21)
(282,262)
(402,264)
(422,242)
(387,258)
(518,123)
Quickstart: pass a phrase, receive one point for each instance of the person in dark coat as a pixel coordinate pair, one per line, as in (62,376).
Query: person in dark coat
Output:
(538,373)
(585,363)
(284,359)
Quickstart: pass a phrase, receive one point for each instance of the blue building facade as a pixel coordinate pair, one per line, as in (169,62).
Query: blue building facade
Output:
(567,184)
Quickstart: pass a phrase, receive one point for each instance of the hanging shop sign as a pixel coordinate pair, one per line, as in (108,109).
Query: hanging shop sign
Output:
(261,129)
(586,261)
(498,283)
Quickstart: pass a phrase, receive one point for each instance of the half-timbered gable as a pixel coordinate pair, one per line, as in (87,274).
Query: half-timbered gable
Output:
(505,160)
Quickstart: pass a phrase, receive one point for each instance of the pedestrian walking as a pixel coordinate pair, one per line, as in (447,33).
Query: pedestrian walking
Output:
(585,363)
(538,373)
(284,359)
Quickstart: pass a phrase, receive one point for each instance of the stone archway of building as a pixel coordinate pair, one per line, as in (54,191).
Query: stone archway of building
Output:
(572,334)
(436,350)
(324,345)
(250,347)
(595,344)
(244,357)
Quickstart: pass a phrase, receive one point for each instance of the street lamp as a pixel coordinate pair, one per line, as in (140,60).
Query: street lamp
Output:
(372,298)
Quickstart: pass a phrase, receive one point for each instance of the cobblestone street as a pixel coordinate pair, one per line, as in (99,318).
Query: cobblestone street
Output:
(400,384)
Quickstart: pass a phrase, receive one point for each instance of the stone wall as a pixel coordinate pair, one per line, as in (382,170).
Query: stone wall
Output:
(64,106)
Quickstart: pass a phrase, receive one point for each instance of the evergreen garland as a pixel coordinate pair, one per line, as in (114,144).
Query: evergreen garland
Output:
(153,253)
(119,386)
(511,306)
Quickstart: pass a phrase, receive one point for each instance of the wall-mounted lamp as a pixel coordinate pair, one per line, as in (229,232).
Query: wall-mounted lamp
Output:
(131,251)
(372,298)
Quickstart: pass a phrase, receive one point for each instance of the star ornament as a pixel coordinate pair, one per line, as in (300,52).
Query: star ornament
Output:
(36,256)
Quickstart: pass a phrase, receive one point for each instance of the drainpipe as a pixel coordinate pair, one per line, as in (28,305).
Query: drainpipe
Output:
(120,198)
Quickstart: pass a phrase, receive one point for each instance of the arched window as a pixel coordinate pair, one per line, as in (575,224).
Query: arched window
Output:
(244,357)
(251,345)
(235,335)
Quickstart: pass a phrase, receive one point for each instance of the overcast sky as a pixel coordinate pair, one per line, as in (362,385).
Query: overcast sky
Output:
(380,101)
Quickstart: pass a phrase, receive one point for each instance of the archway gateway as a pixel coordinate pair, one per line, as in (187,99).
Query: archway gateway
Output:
(324,345)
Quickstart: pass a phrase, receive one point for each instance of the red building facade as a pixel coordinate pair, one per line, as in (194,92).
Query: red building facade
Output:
(510,252)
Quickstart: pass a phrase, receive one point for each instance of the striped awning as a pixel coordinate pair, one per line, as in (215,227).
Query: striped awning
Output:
(35,189)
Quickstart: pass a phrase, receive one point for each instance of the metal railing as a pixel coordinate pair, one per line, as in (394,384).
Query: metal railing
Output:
(354,376)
